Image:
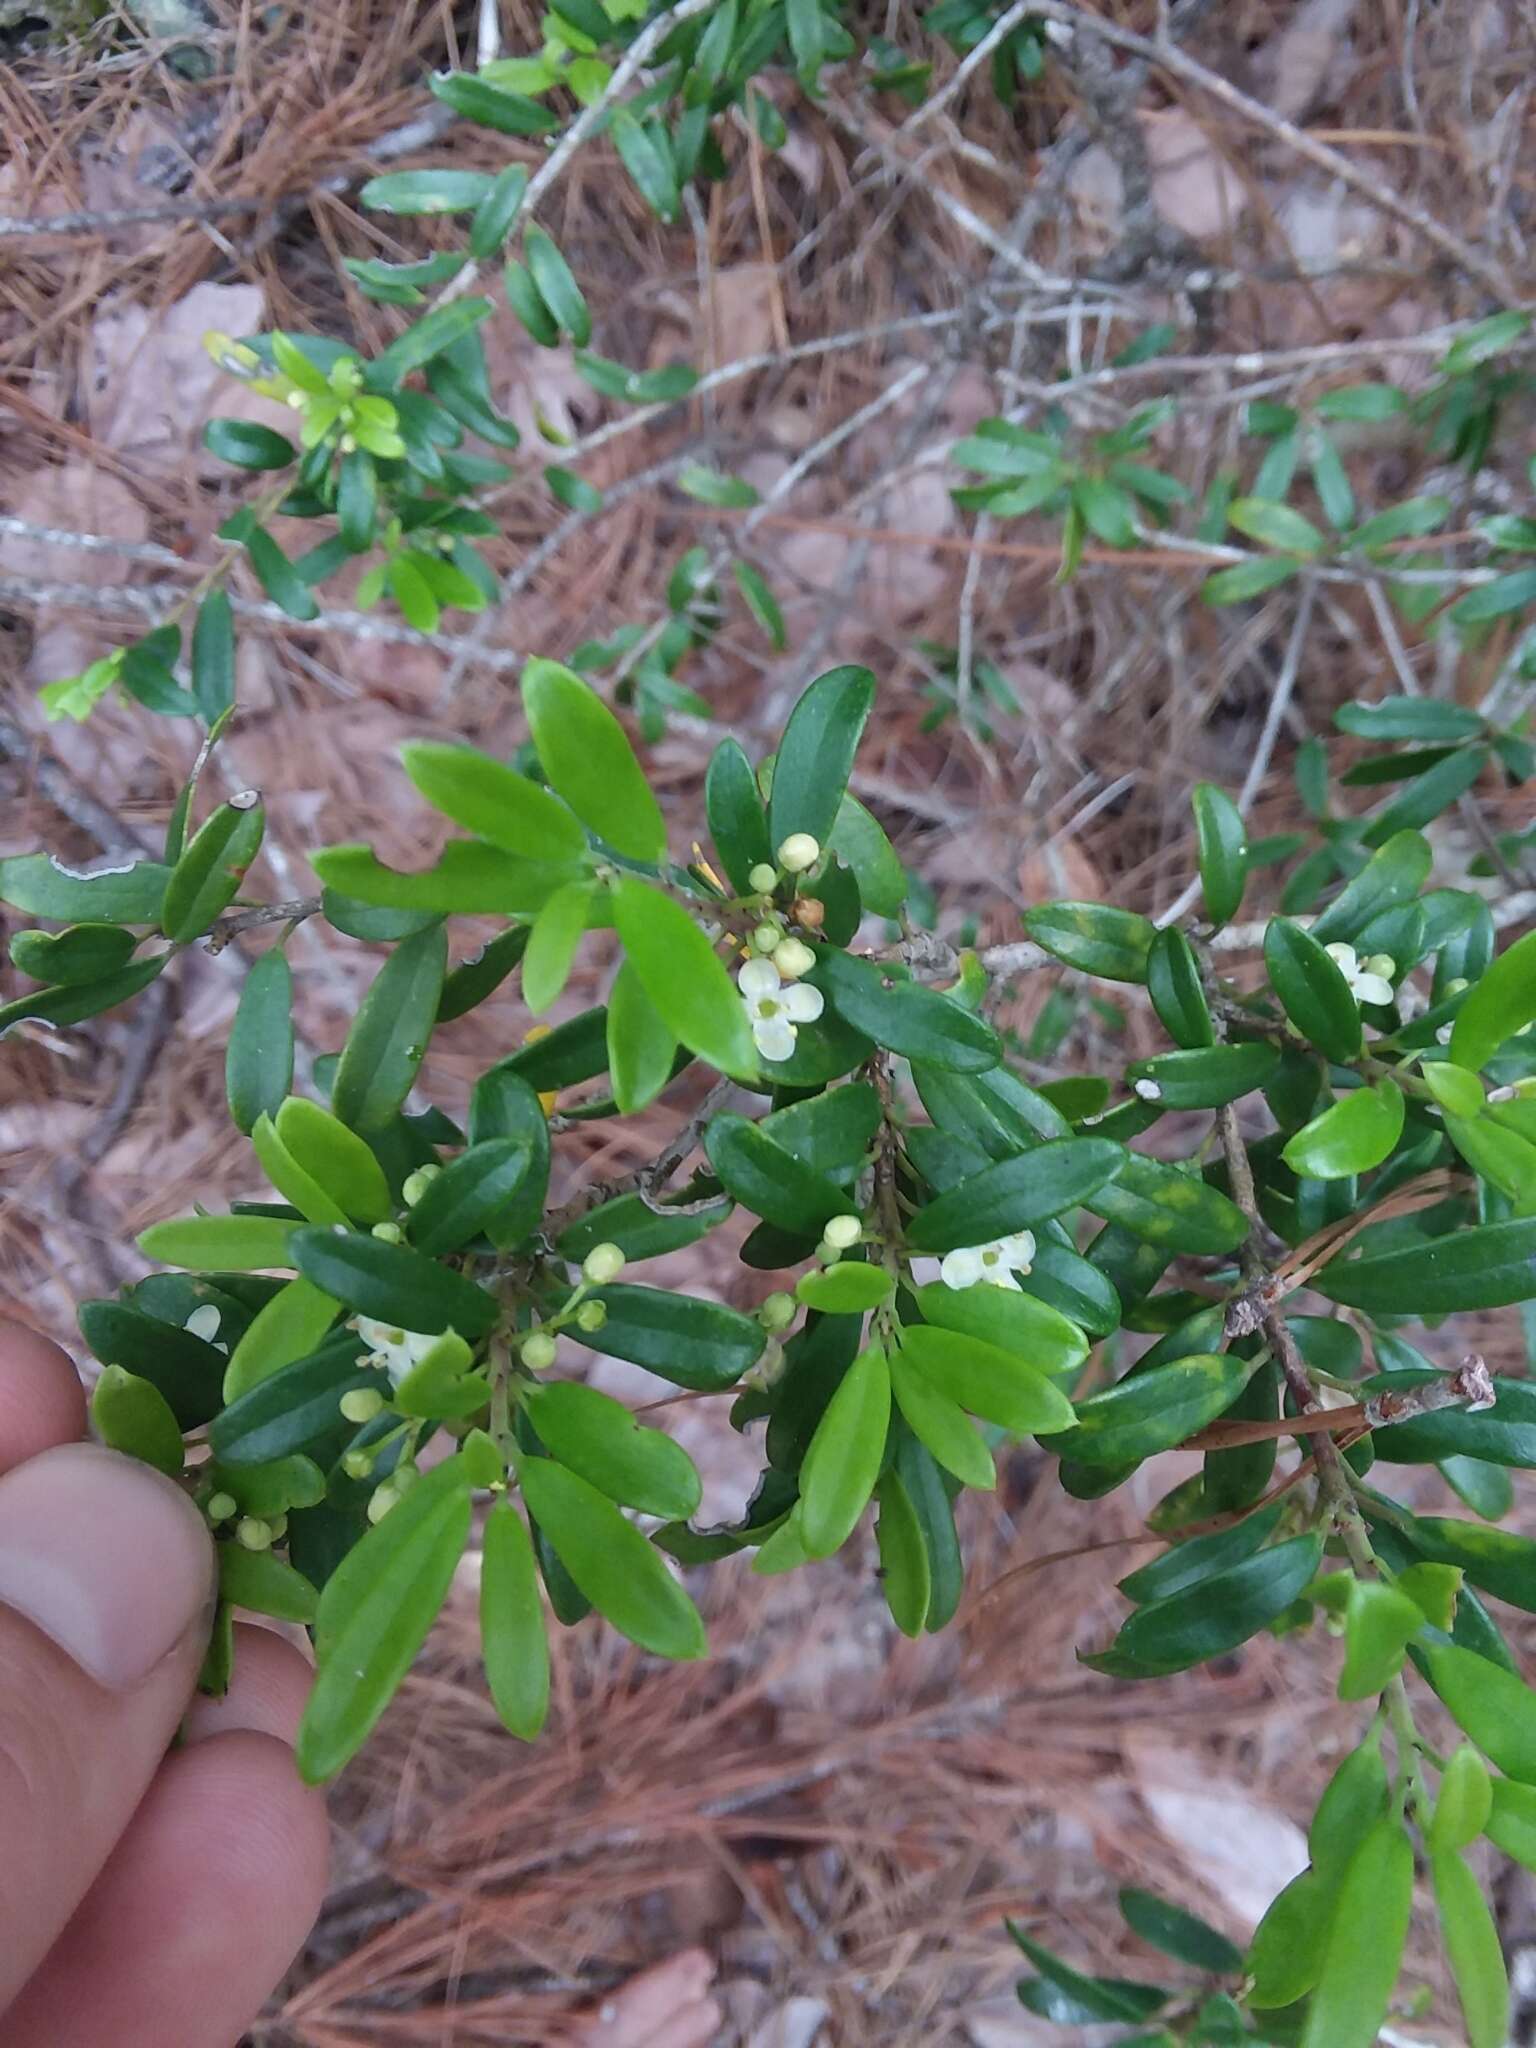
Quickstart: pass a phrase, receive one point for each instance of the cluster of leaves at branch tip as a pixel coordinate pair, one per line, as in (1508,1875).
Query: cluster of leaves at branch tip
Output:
(351,1375)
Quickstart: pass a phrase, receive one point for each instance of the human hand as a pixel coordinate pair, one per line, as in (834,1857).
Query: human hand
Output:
(147,1899)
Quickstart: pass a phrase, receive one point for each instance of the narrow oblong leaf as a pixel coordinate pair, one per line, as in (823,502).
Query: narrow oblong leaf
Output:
(692,1343)
(513,1642)
(1491,1706)
(1312,990)
(767,1178)
(258,1062)
(389,1034)
(1204,1077)
(1488,1266)
(1033,1330)
(492,800)
(1473,1947)
(237,1244)
(815,756)
(905,1018)
(336,1158)
(131,1415)
(469,1193)
(839,1471)
(684,977)
(1222,838)
(1094,937)
(738,823)
(130,892)
(598,1437)
(905,1573)
(1365,1942)
(589,761)
(1154,1410)
(393,1283)
(1174,985)
(987,1381)
(1017,1193)
(941,1425)
(642,1048)
(612,1564)
(1500,1003)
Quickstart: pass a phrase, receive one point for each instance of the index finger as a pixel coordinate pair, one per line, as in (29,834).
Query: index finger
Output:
(42,1402)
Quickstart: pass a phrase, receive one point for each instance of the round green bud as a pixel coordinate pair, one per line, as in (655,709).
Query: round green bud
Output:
(763,877)
(843,1233)
(417,1183)
(220,1507)
(1455,986)
(405,1477)
(766,937)
(793,957)
(603,1263)
(777,1312)
(538,1351)
(357,1464)
(361,1404)
(1382,964)
(799,852)
(388,1233)
(253,1532)
(381,1500)
(278,1524)
(591,1316)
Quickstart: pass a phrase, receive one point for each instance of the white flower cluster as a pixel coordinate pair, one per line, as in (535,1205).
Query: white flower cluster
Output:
(776,1008)
(993,1264)
(391,1350)
(1370,980)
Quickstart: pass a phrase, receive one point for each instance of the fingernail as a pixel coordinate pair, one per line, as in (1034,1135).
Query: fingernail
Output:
(105,1556)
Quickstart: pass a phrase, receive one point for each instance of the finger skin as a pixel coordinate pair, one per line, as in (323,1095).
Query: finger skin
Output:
(198,1913)
(114,1557)
(42,1402)
(267,1690)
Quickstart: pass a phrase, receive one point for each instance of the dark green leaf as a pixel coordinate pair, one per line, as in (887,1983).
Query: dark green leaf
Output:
(207,878)
(1222,837)
(40,886)
(816,754)
(389,1033)
(1205,1077)
(559,291)
(418,192)
(767,1178)
(919,1023)
(1312,990)
(1485,1267)
(213,656)
(258,1064)
(692,1343)
(1166,1207)
(1179,1934)
(491,106)
(1393,875)
(615,1568)
(83,953)
(1093,937)
(1017,1193)
(247,444)
(292,1408)
(392,1283)
(1173,983)
(512,1624)
(839,1471)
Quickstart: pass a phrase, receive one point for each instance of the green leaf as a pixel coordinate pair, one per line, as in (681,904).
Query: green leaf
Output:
(683,976)
(491,106)
(1093,937)
(762,604)
(291,1181)
(1179,1934)
(997,1385)
(1164,1206)
(1408,718)
(1488,1266)
(481,974)
(640,1232)
(264,1584)
(237,1244)
(292,1408)
(641,1047)
(493,801)
(247,444)
(613,1566)
(560,293)
(84,953)
(1379,1624)
(1496,600)
(1222,837)
(816,754)
(1106,510)
(258,1062)
(286,1328)
(648,162)
(919,1023)
(1364,1952)
(73,1003)
(1016,1322)
(831,1131)
(1017,1193)
(512,1624)
(843,1462)
(1275,525)
(131,1415)
(1504,1158)
(767,1178)
(905,1574)
(859,841)
(1312,990)
(1473,1947)
(1502,1002)
(1427,795)
(1200,1557)
(1084,2000)
(496,213)
(375,1613)
(419,192)
(207,878)
(1490,1705)
(847,1289)
(40,886)
(1248,579)
(185,1369)
(1178,997)
(469,1194)
(1464,1804)
(1154,1410)
(1512,1823)
(213,656)
(738,823)
(1205,1077)
(1357,1132)
(339,1161)
(940,1424)
(710,487)
(1495,1560)
(1392,876)
(279,578)
(389,1033)
(557,932)
(468,877)
(597,1437)
(590,763)
(697,1344)
(392,1283)
(524,299)
(1222,1612)
(1410,520)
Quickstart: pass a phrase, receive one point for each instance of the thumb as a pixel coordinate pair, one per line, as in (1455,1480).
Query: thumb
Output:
(106,1587)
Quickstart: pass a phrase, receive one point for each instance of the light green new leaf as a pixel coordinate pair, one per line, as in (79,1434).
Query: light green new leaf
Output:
(941,1425)
(1356,1133)
(336,1158)
(591,1434)
(131,1415)
(290,1179)
(1465,1802)
(374,1615)
(1473,1946)
(557,932)
(641,1048)
(987,1381)
(495,802)
(1365,1943)
(1490,1705)
(1379,1624)
(285,1329)
(233,1244)
(613,1566)
(849,1288)
(838,1473)
(1502,1002)
(684,977)
(905,1574)
(1276,526)
(589,761)
(512,1635)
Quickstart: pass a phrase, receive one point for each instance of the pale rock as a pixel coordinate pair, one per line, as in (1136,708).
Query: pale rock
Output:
(794,2024)
(1310,58)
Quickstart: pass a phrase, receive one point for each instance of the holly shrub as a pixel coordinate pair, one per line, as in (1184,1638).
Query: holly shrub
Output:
(350,1376)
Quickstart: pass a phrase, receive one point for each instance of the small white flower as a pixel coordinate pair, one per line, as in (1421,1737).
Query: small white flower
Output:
(1368,980)
(995,1263)
(1149,1091)
(393,1350)
(1443,1035)
(775,1010)
(204,1322)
